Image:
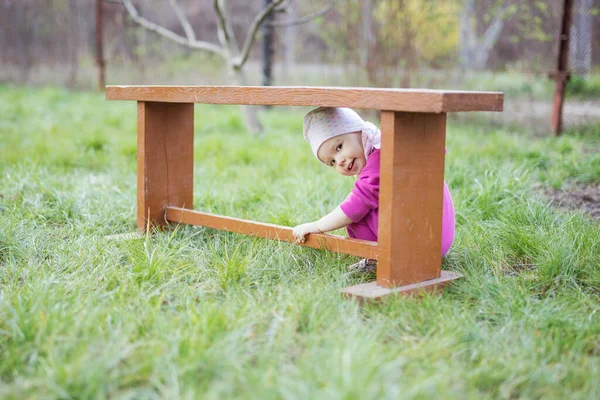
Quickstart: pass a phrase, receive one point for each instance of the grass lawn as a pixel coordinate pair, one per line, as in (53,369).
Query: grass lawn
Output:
(198,313)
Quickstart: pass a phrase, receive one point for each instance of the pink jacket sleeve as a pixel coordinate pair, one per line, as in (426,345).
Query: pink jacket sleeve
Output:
(364,196)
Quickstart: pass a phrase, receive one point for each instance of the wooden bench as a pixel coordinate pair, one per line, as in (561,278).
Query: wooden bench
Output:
(413,130)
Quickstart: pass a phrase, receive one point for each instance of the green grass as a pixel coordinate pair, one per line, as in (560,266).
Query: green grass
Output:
(584,87)
(198,313)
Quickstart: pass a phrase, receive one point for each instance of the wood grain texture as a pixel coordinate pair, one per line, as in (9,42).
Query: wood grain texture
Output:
(165,160)
(411,197)
(339,244)
(372,291)
(411,100)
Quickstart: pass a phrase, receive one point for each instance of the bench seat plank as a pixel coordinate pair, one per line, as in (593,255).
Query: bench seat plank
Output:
(411,100)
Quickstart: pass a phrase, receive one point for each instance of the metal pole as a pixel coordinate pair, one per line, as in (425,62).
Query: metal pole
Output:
(561,75)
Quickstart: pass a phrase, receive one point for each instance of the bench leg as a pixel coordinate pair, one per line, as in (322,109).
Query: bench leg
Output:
(165,144)
(411,196)
(410,205)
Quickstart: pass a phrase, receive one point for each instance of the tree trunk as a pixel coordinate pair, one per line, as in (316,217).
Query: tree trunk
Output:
(366,37)
(289,58)
(410,57)
(250,113)
(74,44)
(268,38)
(466,35)
(22,30)
(100,45)
(474,52)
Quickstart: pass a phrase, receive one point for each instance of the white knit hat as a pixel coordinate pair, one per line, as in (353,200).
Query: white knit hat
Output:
(326,122)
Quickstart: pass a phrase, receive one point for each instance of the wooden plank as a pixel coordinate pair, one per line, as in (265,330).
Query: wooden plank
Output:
(412,100)
(372,291)
(339,244)
(411,197)
(165,160)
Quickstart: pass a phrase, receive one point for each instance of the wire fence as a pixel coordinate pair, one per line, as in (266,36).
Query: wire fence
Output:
(509,46)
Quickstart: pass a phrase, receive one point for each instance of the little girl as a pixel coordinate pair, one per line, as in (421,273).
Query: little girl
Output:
(341,139)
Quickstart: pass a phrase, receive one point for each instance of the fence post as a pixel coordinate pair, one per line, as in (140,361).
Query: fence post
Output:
(561,76)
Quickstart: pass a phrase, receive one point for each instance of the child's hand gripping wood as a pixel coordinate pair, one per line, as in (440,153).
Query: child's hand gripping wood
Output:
(332,221)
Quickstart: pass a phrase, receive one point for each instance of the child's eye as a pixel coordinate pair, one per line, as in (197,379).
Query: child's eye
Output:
(332,163)
(339,147)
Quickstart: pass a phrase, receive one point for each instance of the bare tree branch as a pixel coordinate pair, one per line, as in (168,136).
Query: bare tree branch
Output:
(283,6)
(185,23)
(306,18)
(195,44)
(229,48)
(492,32)
(251,35)
(222,32)
(232,42)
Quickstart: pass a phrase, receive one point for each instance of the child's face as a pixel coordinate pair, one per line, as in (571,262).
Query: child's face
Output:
(344,153)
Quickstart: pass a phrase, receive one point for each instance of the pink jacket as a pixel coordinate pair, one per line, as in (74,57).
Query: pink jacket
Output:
(362,206)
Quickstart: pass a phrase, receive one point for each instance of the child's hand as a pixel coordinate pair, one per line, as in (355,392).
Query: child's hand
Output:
(301,231)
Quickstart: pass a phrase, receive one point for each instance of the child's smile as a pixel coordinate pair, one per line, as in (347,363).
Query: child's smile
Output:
(344,153)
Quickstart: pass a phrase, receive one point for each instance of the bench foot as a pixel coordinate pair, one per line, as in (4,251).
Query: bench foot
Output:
(371,291)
